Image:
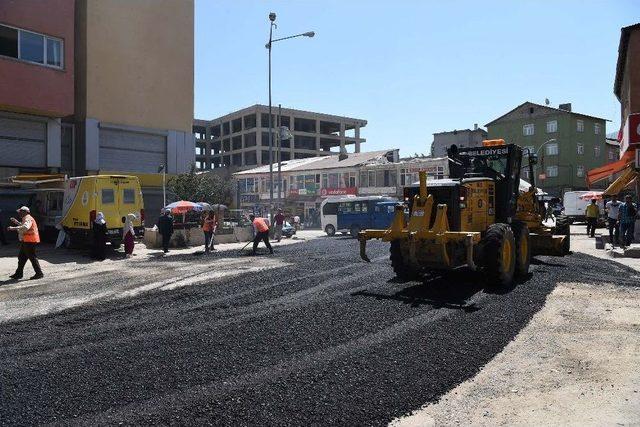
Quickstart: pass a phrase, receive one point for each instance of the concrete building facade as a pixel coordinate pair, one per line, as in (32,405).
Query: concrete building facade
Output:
(36,85)
(462,138)
(241,139)
(579,143)
(134,85)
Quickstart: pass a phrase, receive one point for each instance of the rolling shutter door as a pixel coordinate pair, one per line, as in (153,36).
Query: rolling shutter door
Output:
(23,143)
(125,151)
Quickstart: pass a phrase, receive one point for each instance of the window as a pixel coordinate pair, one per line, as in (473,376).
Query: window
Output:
(528,130)
(304,125)
(250,121)
(236,125)
(580,125)
(107,196)
(304,142)
(552,171)
(580,170)
(54,52)
(612,155)
(55,201)
(596,151)
(199,164)
(364,179)
(580,148)
(250,158)
(552,126)
(529,149)
(525,173)
(552,149)
(31,47)
(236,142)
(250,139)
(128,196)
(596,128)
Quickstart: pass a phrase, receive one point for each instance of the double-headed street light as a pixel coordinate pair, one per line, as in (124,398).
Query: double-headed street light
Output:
(272,18)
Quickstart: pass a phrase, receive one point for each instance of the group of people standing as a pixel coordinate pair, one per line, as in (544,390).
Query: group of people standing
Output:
(209,223)
(621,219)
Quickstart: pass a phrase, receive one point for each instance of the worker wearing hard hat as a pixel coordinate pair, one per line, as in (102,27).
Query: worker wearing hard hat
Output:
(29,237)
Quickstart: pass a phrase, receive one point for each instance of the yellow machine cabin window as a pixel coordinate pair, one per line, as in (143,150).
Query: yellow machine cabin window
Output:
(128,196)
(107,196)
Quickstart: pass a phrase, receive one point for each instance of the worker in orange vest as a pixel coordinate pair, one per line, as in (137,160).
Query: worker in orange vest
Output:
(261,231)
(28,235)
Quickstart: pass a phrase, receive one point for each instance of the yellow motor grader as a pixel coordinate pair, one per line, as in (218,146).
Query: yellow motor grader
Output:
(479,218)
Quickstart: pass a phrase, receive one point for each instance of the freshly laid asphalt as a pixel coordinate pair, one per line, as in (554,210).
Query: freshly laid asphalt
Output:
(325,340)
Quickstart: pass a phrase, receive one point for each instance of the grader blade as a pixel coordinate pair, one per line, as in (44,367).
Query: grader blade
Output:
(549,245)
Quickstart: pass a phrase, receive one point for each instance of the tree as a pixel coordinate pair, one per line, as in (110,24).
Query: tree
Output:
(200,187)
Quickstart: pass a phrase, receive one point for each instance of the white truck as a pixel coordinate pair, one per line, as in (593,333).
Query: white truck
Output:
(575,205)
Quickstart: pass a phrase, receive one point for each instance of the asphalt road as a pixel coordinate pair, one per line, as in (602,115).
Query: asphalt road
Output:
(323,338)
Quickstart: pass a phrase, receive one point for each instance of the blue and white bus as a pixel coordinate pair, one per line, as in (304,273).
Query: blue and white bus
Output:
(352,214)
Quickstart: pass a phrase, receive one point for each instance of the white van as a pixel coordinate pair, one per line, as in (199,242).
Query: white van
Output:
(574,205)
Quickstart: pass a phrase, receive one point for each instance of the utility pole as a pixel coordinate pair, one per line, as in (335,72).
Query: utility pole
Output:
(279,154)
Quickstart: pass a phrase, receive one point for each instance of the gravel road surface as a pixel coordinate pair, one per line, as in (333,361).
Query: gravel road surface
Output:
(311,335)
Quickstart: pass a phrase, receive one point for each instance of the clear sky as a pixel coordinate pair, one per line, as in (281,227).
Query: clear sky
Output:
(411,68)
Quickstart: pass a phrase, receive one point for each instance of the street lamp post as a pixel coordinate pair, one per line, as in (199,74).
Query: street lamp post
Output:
(272,18)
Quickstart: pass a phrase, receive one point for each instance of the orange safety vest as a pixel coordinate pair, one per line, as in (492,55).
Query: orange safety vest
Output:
(31,235)
(261,225)
(209,224)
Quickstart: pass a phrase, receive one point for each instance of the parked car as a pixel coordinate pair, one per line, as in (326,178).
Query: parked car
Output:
(288,230)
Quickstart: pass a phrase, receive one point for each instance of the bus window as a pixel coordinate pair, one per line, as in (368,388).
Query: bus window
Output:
(330,209)
(357,207)
(365,207)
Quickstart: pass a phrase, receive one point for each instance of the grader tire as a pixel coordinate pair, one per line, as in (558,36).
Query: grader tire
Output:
(523,249)
(499,255)
(402,270)
(563,228)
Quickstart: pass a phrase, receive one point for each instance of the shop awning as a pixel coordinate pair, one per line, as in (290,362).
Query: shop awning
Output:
(604,172)
(627,177)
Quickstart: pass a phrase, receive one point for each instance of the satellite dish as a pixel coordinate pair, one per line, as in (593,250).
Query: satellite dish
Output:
(546,101)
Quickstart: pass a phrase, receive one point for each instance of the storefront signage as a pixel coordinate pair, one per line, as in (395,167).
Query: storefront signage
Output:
(630,133)
(328,192)
(299,192)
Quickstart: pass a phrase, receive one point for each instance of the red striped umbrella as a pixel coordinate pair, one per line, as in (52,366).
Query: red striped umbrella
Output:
(183,206)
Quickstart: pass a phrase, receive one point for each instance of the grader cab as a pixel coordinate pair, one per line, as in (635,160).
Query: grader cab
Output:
(479,218)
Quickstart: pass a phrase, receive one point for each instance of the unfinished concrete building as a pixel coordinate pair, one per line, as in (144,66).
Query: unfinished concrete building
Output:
(241,139)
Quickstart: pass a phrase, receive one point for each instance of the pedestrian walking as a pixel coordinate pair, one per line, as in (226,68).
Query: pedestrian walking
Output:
(613,211)
(592,212)
(165,228)
(279,223)
(296,222)
(99,247)
(29,237)
(208,225)
(549,214)
(128,234)
(628,214)
(261,231)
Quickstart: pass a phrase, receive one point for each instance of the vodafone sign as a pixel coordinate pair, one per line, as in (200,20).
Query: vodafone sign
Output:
(631,133)
(327,192)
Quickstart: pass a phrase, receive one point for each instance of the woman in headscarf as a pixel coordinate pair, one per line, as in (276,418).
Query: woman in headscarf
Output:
(128,234)
(99,237)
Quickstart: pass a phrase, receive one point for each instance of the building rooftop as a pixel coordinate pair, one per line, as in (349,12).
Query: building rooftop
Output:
(460,130)
(322,163)
(622,56)
(287,111)
(557,110)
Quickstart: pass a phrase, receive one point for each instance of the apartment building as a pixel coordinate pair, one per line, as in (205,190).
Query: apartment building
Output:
(36,85)
(568,143)
(462,138)
(241,139)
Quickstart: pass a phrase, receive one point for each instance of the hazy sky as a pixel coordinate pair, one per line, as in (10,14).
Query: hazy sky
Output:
(411,68)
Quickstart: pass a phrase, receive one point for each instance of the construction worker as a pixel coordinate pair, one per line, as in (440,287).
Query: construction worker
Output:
(261,231)
(29,237)
(592,212)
